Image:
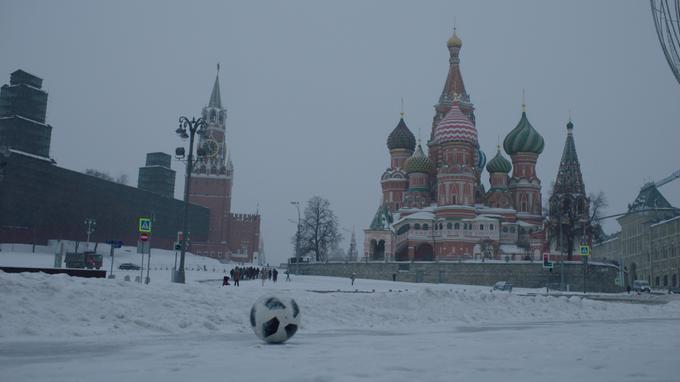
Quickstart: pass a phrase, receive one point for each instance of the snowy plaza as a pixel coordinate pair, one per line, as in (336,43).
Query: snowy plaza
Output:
(61,328)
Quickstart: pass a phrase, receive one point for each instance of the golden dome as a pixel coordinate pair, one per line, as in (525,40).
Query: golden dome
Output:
(454,41)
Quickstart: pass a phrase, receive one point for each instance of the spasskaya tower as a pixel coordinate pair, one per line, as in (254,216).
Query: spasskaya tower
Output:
(234,237)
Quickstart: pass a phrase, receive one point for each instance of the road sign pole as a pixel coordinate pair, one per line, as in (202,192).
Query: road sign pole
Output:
(111,272)
(148,263)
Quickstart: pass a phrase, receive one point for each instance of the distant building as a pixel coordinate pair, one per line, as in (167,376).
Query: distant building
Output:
(23,106)
(234,237)
(157,176)
(40,200)
(648,244)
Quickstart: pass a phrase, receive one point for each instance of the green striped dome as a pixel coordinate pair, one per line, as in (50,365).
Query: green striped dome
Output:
(523,138)
(418,162)
(499,164)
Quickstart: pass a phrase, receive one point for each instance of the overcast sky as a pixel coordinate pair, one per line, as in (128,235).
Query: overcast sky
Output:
(313,88)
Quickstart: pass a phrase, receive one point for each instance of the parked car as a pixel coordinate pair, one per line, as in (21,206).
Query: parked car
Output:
(129,267)
(641,286)
(675,290)
(503,285)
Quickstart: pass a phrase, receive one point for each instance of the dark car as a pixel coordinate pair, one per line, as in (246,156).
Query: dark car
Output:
(129,267)
(503,285)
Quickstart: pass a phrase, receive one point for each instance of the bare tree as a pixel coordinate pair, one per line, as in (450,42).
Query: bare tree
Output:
(122,179)
(99,174)
(598,203)
(319,229)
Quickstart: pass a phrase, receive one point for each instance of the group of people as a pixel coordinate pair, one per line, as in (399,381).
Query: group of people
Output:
(253,273)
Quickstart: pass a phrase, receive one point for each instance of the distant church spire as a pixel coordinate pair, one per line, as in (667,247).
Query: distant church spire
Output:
(215,98)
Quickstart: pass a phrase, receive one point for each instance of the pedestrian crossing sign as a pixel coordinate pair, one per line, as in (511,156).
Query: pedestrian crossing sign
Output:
(584,250)
(145,225)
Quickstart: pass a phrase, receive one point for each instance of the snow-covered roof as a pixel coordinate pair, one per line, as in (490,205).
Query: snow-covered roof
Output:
(525,224)
(483,209)
(422,215)
(511,249)
(31,155)
(665,221)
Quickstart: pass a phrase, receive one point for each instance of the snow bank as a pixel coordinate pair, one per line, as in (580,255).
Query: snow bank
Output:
(39,305)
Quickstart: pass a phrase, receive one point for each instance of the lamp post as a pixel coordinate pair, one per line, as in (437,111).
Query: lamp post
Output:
(187,129)
(297,240)
(90,223)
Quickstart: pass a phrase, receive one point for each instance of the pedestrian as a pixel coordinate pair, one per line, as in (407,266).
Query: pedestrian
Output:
(287,275)
(275,274)
(353,277)
(237,276)
(225,281)
(263,276)
(628,289)
(394,277)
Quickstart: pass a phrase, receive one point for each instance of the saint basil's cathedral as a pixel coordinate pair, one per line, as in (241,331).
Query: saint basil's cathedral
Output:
(435,207)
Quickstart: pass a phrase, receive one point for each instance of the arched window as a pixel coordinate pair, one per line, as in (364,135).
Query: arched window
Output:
(449,225)
(505,229)
(416,226)
(456,226)
(426,227)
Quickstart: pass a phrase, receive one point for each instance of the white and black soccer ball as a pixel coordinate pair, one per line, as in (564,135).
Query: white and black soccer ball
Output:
(275,319)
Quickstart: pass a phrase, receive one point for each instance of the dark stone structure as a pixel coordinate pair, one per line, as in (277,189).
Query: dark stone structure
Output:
(41,201)
(157,176)
(23,105)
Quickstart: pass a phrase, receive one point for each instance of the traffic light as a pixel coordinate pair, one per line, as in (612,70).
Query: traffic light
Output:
(547,264)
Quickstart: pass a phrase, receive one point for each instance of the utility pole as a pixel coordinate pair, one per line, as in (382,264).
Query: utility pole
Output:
(297,240)
(90,223)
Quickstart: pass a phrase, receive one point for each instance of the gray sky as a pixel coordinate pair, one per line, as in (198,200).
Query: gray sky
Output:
(313,89)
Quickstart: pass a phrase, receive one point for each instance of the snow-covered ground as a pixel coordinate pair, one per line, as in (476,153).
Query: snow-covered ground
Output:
(60,328)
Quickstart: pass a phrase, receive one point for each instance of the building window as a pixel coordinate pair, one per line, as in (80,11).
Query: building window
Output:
(449,225)
(481,227)
(456,226)
(665,280)
(491,227)
(416,226)
(656,281)
(426,227)
(505,229)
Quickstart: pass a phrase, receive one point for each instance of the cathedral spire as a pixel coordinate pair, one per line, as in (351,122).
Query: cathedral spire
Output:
(215,99)
(569,178)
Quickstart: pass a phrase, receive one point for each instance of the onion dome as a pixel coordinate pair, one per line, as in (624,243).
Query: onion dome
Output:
(455,127)
(454,40)
(401,137)
(499,163)
(481,161)
(418,162)
(523,138)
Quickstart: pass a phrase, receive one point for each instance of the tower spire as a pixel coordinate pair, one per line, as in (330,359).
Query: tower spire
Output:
(524,103)
(215,98)
(402,108)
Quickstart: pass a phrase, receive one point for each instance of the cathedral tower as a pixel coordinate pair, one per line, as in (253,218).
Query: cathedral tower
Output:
(569,202)
(401,142)
(524,144)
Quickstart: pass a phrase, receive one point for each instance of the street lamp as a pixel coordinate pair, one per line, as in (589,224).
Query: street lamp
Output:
(90,223)
(297,240)
(187,129)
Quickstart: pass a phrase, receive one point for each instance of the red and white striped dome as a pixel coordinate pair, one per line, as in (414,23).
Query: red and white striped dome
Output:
(455,127)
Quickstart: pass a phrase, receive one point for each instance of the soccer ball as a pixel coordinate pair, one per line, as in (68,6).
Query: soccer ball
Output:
(275,319)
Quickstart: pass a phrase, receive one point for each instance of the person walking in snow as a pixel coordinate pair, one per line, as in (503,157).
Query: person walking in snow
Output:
(353,277)
(237,276)
(263,276)
(275,275)
(287,275)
